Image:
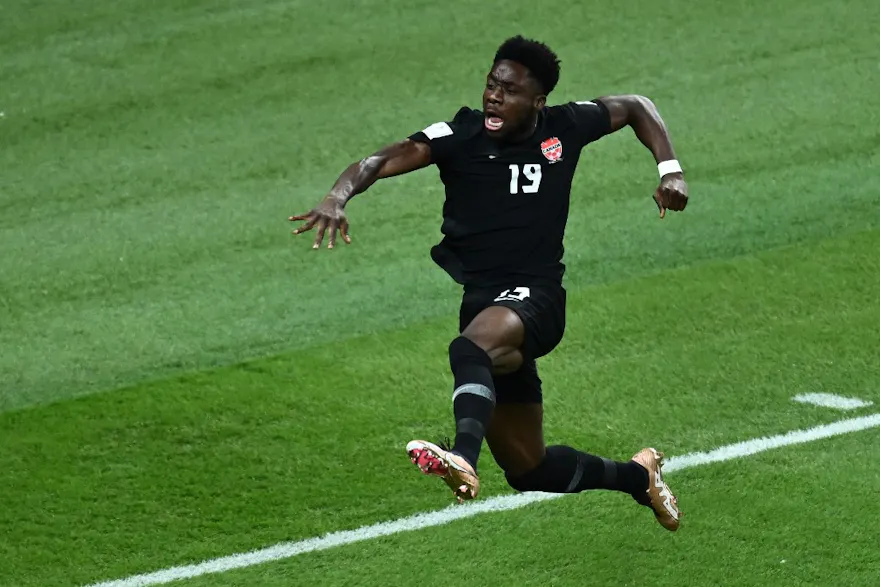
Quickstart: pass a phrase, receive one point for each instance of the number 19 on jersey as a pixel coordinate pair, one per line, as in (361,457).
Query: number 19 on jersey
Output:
(532,173)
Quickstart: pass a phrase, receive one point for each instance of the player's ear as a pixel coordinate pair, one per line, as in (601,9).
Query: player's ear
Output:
(540,101)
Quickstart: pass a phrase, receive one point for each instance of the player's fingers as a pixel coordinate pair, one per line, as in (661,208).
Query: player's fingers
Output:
(319,238)
(334,225)
(307,226)
(658,199)
(343,230)
(299,217)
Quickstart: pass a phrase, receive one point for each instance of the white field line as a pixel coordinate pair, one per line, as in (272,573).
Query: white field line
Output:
(458,512)
(829,400)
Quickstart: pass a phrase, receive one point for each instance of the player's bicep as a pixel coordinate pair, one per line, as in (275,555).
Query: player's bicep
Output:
(621,109)
(403,157)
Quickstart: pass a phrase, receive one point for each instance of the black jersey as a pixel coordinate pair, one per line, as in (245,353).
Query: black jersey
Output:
(507,204)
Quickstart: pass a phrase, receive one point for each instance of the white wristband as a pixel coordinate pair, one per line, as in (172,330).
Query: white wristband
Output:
(667,167)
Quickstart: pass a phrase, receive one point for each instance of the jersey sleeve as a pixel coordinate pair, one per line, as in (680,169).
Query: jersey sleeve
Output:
(592,119)
(445,138)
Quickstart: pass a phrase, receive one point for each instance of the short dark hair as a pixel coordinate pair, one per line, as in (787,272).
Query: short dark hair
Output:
(535,56)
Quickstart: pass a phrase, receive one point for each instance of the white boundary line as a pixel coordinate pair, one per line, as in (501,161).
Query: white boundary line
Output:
(458,512)
(830,400)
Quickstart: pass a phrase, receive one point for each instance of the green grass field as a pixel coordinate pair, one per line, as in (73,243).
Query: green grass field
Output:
(181,379)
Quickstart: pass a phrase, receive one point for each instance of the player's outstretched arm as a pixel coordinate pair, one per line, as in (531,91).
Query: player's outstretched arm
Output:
(641,114)
(329,214)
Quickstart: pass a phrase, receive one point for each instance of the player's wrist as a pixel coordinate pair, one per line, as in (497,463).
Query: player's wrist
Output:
(336,199)
(669,167)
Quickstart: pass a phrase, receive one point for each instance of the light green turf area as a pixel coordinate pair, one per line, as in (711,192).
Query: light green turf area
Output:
(749,523)
(227,460)
(182,379)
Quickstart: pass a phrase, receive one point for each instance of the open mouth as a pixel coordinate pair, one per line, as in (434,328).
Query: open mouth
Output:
(494,123)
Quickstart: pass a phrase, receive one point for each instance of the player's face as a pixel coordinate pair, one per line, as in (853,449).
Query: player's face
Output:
(511,101)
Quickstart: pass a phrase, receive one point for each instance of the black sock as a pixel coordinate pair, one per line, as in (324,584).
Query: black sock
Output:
(566,470)
(474,397)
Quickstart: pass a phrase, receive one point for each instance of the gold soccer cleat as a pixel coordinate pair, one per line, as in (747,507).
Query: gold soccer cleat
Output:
(456,472)
(664,504)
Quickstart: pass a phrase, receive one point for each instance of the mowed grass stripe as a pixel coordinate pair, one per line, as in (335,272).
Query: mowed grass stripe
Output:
(282,439)
(748,523)
(493,505)
(149,166)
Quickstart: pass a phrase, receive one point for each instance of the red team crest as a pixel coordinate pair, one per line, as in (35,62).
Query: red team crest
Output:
(552,149)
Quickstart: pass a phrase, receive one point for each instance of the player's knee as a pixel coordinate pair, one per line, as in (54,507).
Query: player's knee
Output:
(502,360)
(463,351)
(532,480)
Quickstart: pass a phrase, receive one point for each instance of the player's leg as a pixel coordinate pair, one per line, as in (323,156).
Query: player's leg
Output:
(517,443)
(489,345)
(490,342)
(516,439)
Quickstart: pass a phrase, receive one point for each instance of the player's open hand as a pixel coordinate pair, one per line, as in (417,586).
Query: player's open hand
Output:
(672,194)
(328,215)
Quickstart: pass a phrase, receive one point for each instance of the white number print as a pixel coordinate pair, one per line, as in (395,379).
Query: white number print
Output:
(532,171)
(518,294)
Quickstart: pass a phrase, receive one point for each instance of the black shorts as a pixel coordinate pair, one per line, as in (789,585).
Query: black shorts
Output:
(542,311)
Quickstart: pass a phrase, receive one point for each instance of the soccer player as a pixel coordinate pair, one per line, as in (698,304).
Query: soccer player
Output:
(507,171)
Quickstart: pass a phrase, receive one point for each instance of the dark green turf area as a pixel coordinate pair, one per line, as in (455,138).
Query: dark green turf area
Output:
(181,379)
